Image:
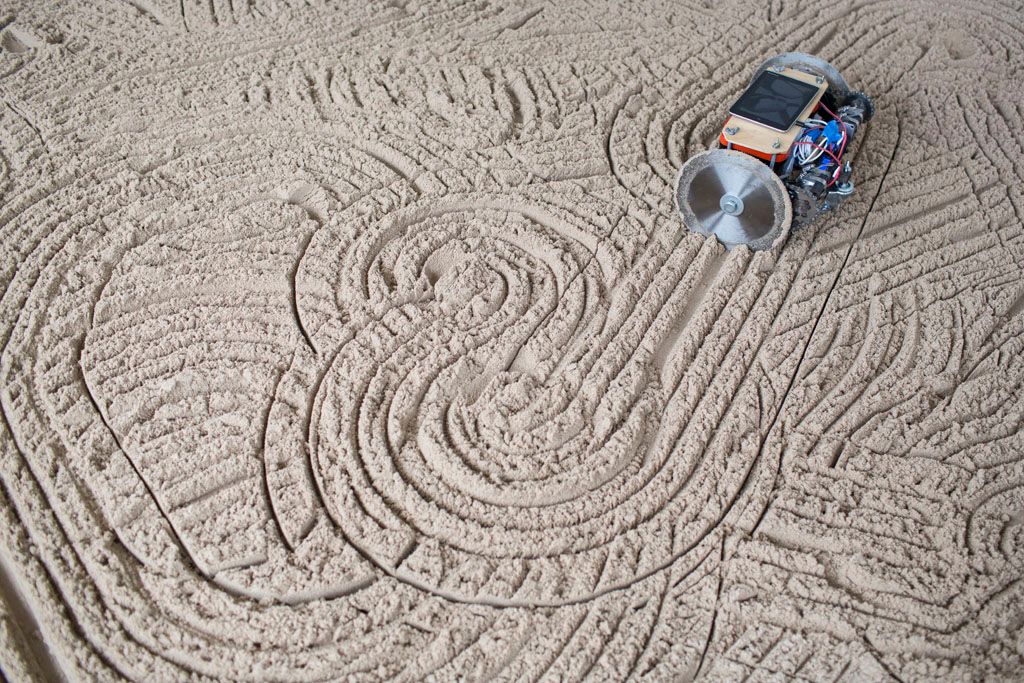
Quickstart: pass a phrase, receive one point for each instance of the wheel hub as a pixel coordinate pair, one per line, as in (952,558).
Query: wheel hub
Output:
(731,204)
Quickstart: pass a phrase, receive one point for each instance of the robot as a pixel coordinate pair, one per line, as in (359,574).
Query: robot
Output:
(780,161)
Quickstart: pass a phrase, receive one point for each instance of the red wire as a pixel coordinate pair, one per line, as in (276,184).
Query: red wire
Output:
(842,126)
(816,145)
(834,157)
(830,112)
(842,146)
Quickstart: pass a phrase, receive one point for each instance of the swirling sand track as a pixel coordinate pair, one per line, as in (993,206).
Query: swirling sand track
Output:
(359,341)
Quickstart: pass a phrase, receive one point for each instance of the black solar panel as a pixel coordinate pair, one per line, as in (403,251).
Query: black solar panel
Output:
(774,100)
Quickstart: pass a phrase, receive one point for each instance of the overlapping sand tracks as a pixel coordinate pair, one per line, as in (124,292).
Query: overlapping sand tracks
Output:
(365,342)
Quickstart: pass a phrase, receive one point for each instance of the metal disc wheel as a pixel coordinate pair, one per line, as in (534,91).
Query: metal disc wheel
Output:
(734,197)
(808,64)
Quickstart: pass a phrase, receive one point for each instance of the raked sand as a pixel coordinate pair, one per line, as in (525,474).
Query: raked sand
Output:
(362,341)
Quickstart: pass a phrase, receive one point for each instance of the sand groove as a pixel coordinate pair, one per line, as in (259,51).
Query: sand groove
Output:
(364,342)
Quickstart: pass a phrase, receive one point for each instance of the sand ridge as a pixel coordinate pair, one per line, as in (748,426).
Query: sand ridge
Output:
(366,343)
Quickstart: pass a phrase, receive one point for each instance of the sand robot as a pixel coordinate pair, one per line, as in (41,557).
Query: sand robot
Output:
(780,160)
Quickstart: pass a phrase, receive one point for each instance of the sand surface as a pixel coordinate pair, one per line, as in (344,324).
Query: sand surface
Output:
(364,342)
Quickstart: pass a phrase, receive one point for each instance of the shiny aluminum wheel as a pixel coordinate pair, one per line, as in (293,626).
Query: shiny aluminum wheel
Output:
(734,197)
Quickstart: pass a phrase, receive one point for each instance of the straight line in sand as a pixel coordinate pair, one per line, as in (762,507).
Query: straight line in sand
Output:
(824,307)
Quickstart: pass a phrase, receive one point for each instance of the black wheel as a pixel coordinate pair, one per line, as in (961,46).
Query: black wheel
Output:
(859,99)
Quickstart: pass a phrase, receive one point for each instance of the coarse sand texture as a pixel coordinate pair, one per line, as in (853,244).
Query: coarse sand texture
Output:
(363,341)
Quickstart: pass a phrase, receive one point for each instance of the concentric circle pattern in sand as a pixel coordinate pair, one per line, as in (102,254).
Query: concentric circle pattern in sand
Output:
(350,342)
